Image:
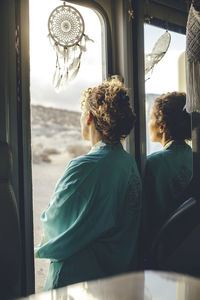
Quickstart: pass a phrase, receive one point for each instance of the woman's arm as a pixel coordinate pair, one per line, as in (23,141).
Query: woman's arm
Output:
(95,219)
(80,211)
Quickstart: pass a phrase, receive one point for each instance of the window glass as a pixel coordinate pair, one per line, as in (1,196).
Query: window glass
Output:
(168,75)
(55,122)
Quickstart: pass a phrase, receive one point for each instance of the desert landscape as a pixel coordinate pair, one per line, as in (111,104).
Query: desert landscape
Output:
(56,139)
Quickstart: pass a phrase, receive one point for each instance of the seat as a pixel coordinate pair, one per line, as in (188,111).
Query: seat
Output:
(9,227)
(177,245)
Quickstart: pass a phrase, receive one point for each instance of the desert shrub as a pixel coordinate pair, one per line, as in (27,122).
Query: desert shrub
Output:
(77,149)
(51,151)
(41,154)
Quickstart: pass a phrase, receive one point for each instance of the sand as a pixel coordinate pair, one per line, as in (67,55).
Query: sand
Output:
(45,177)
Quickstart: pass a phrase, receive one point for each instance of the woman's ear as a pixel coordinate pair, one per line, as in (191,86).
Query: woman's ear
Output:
(90,118)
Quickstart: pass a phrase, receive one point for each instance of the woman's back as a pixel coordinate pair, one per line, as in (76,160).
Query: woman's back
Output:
(102,212)
(167,175)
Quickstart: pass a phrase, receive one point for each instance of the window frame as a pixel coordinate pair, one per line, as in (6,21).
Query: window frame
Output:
(124,55)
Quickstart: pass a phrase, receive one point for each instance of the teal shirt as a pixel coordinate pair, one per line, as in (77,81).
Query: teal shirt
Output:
(167,174)
(92,222)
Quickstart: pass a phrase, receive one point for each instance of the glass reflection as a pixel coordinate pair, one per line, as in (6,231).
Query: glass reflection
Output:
(168,168)
(169,171)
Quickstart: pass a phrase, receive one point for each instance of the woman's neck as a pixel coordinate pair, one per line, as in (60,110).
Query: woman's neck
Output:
(95,136)
(164,141)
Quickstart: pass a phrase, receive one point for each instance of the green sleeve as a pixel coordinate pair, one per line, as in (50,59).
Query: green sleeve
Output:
(79,213)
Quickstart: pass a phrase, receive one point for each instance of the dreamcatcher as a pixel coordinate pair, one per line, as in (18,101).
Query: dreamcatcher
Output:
(159,50)
(66,34)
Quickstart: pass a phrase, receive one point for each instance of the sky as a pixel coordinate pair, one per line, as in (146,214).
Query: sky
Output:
(164,77)
(43,58)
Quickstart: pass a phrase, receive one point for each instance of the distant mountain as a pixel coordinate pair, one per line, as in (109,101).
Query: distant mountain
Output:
(41,115)
(55,131)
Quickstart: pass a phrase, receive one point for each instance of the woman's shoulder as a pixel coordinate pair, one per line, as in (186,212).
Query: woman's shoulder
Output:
(156,156)
(85,163)
(100,161)
(77,171)
(82,162)
(169,155)
(155,161)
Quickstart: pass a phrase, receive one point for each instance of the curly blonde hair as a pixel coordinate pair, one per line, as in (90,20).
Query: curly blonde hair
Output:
(110,108)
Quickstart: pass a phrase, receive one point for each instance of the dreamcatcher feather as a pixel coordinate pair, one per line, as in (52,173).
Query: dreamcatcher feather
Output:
(66,35)
(159,50)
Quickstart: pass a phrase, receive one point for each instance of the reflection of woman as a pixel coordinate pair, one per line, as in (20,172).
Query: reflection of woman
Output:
(91,225)
(167,172)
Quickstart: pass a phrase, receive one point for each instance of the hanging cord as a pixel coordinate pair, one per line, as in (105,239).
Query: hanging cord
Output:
(166,26)
(147,17)
(131,11)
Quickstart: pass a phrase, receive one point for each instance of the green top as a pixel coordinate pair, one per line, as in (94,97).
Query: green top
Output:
(167,174)
(92,222)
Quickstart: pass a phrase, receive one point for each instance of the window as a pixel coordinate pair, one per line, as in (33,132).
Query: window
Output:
(56,136)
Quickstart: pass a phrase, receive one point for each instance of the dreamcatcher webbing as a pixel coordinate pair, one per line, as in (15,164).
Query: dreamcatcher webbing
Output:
(159,50)
(66,34)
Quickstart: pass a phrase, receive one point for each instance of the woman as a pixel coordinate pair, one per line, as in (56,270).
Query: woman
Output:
(169,171)
(92,222)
